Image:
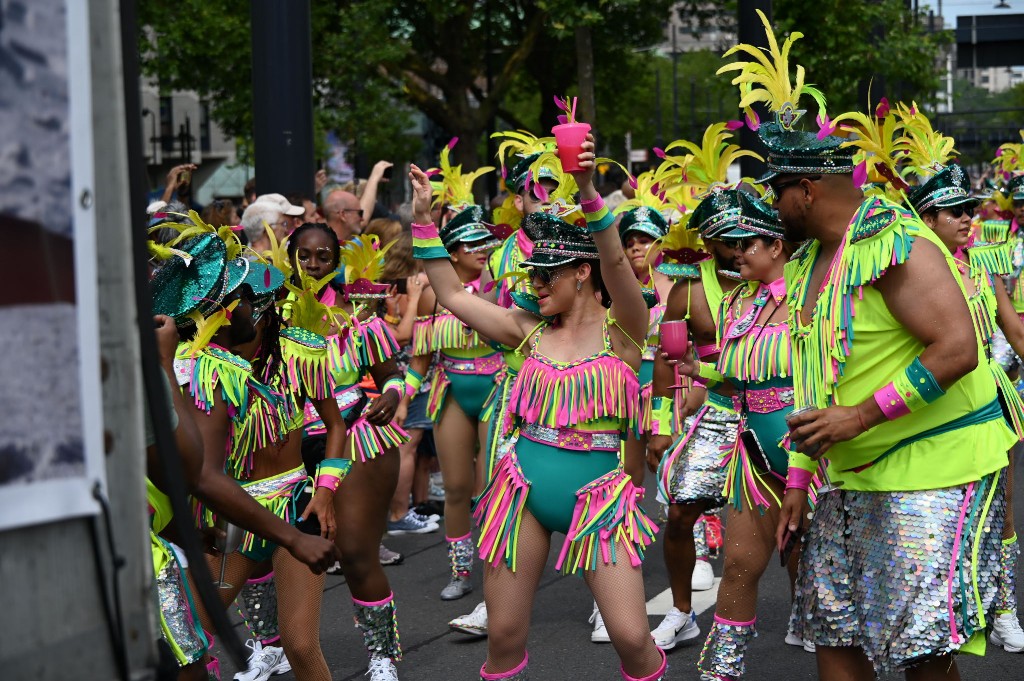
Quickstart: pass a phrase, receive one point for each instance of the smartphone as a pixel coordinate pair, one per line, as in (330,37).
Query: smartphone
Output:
(310,525)
(387,173)
(399,284)
(755,453)
(789,542)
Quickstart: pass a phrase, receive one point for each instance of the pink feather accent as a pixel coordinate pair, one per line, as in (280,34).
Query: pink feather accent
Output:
(659,152)
(825,126)
(753,120)
(860,174)
(882,110)
(452,142)
(734,125)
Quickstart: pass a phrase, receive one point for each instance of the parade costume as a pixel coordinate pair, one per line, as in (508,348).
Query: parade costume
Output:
(566,466)
(536,161)
(693,468)
(567,421)
(948,186)
(925,588)
(351,353)
(756,359)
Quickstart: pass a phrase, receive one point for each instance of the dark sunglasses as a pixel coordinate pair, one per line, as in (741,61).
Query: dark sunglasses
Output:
(776,190)
(545,274)
(958,211)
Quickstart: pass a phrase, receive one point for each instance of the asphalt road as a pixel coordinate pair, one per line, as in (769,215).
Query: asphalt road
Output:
(560,646)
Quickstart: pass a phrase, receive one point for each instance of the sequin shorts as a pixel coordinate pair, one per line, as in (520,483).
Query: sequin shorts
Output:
(179,621)
(905,576)
(692,469)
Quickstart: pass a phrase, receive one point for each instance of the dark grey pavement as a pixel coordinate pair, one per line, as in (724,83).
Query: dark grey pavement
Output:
(560,647)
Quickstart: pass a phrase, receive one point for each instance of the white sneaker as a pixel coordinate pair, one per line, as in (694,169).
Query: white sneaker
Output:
(600,633)
(677,626)
(263,662)
(474,624)
(382,669)
(794,640)
(1006,632)
(703,576)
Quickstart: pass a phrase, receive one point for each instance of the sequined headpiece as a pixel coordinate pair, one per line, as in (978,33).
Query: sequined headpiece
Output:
(766,78)
(1015,188)
(949,187)
(757,218)
(468,227)
(194,278)
(719,212)
(265,280)
(645,220)
(557,242)
(362,262)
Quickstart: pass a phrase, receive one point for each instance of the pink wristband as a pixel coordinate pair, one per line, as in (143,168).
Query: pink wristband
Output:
(593,205)
(424,231)
(331,482)
(798,478)
(891,403)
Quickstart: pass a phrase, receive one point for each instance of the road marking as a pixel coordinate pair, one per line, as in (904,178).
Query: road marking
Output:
(701,600)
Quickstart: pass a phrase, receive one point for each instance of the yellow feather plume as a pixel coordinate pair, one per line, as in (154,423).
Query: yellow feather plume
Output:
(363,258)
(304,309)
(766,79)
(924,149)
(207,327)
(707,165)
(186,231)
(1010,156)
(454,188)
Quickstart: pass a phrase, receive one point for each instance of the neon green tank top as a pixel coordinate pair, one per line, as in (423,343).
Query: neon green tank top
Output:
(854,346)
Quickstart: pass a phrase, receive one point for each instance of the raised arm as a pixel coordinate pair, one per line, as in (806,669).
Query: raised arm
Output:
(628,305)
(504,326)
(369,200)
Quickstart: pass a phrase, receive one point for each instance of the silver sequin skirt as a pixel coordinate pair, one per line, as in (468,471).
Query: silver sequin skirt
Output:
(179,621)
(692,468)
(903,575)
(1002,353)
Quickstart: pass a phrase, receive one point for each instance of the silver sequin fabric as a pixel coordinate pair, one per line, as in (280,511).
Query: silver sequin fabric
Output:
(180,622)
(1002,353)
(379,624)
(460,555)
(700,539)
(520,675)
(724,650)
(1006,595)
(697,473)
(895,573)
(259,602)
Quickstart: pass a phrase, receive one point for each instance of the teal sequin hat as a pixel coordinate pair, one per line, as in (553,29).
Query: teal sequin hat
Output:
(757,218)
(265,281)
(556,242)
(516,180)
(645,220)
(1015,188)
(797,152)
(195,278)
(717,213)
(949,187)
(467,227)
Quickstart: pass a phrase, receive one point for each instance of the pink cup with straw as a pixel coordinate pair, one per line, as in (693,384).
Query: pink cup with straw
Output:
(570,138)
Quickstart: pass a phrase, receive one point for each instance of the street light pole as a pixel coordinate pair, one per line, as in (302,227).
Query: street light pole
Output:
(675,82)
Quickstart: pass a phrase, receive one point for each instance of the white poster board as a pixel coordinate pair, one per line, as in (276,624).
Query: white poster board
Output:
(51,443)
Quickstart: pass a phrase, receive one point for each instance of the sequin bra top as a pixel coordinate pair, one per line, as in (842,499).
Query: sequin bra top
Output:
(588,392)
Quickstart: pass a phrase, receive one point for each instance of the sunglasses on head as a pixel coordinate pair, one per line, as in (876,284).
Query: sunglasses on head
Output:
(958,211)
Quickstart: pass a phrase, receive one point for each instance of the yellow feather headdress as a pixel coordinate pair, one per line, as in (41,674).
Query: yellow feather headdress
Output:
(454,188)
(363,261)
(766,79)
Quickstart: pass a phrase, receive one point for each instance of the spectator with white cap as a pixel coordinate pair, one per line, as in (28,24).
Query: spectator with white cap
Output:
(273,210)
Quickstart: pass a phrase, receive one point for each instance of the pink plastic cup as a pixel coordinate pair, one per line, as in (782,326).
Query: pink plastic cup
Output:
(674,338)
(570,138)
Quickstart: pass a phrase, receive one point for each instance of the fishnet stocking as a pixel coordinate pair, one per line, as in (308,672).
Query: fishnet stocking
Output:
(299,594)
(509,596)
(619,592)
(749,547)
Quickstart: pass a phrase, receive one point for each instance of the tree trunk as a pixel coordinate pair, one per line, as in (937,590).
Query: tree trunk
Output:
(587,110)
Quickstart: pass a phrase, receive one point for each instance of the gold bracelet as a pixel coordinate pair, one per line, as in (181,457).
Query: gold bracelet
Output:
(390,319)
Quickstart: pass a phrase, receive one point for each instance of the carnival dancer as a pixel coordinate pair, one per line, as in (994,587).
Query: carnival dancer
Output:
(688,460)
(466,371)
(755,367)
(364,344)
(179,620)
(535,180)
(241,421)
(898,564)
(944,203)
(572,404)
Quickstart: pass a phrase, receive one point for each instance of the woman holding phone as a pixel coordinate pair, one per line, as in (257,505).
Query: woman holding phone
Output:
(573,402)
(755,367)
